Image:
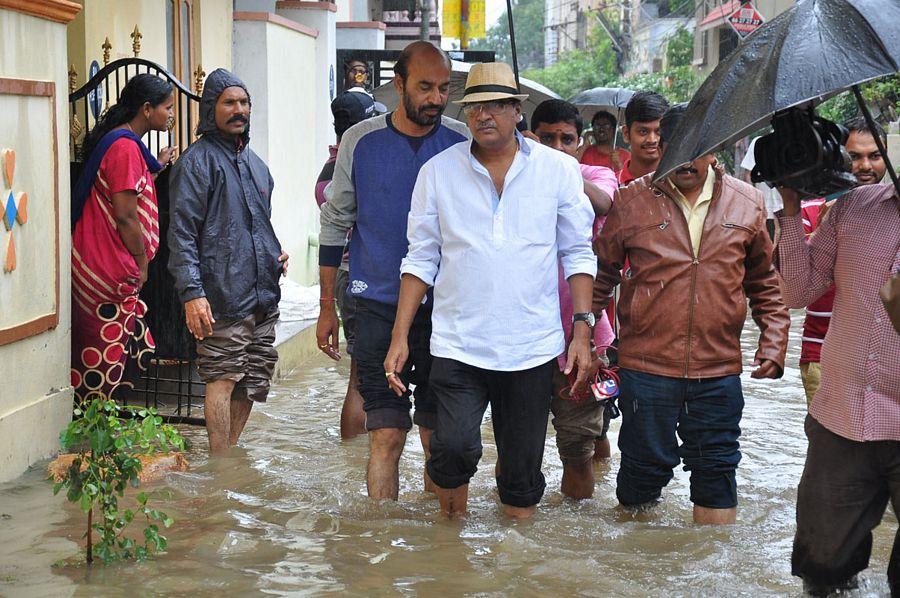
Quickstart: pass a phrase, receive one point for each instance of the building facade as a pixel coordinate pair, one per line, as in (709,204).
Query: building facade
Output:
(652,24)
(714,38)
(565,28)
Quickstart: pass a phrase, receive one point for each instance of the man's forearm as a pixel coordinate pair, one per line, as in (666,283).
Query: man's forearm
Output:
(581,287)
(412,291)
(327,282)
(600,201)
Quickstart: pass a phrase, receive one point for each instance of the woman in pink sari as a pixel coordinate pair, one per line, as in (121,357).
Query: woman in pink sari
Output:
(115,235)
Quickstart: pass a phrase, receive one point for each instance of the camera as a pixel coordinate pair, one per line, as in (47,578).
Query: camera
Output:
(805,152)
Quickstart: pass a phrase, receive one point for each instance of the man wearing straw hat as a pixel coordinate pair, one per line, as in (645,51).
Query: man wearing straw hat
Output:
(488,243)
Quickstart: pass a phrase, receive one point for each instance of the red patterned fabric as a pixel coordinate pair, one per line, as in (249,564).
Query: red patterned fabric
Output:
(818,313)
(110,340)
(856,248)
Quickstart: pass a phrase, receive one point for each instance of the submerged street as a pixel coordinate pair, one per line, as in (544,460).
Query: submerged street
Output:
(286,513)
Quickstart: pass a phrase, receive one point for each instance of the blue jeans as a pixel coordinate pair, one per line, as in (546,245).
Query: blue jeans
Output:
(706,416)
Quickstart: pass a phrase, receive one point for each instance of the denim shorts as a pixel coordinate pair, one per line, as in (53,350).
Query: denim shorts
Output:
(705,414)
(384,409)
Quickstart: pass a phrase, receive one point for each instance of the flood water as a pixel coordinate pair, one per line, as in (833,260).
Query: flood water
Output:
(286,513)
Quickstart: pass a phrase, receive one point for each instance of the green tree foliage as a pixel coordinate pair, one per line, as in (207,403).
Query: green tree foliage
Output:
(528,18)
(680,49)
(108,446)
(675,84)
(578,70)
(882,96)
(583,69)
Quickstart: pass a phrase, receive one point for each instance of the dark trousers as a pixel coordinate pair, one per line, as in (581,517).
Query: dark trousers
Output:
(705,414)
(520,407)
(384,409)
(842,497)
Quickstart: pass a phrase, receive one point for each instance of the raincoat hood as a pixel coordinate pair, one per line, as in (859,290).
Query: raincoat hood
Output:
(216,83)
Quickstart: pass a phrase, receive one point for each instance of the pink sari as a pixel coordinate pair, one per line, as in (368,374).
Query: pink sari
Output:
(110,340)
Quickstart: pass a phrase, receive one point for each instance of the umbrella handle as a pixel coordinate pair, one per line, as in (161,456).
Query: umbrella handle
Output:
(878,141)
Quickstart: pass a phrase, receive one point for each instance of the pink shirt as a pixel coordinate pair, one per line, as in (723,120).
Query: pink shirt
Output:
(604,178)
(856,248)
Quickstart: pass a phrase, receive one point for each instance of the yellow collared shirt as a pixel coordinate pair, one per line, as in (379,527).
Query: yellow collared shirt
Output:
(696,214)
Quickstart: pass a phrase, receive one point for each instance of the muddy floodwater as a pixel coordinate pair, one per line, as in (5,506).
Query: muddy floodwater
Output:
(286,514)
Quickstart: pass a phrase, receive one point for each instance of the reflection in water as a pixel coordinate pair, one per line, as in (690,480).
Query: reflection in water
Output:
(287,513)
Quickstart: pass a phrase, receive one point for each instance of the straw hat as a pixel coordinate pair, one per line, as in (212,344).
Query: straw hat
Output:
(489,81)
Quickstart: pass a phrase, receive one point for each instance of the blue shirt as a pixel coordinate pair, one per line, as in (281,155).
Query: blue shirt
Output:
(374,176)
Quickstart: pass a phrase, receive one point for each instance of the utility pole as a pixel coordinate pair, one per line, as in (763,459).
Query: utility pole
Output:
(620,44)
(425,27)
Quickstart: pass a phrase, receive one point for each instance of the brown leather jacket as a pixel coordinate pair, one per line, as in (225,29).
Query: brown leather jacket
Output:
(680,316)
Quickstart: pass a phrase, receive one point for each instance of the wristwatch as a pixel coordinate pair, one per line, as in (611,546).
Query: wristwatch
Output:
(586,317)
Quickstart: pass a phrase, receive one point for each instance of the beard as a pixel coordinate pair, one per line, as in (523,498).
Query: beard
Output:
(417,113)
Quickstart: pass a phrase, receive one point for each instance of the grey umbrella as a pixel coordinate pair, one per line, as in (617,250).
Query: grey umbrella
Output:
(610,99)
(537,93)
(810,52)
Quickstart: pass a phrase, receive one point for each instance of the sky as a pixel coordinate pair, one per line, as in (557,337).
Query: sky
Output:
(493,9)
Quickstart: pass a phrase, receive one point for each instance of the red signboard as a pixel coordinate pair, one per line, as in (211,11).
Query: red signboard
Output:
(746,19)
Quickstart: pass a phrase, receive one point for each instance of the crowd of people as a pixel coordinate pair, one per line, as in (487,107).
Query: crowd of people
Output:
(475,264)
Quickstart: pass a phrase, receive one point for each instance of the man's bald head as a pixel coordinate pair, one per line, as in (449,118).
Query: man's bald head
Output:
(420,50)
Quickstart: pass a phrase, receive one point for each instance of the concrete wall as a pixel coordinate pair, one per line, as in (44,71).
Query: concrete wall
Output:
(323,17)
(361,36)
(212,19)
(276,59)
(115,19)
(35,391)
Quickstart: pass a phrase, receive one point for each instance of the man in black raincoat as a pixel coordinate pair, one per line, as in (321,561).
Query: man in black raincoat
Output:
(226,259)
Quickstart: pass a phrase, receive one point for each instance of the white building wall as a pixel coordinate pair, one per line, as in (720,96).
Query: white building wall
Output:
(35,389)
(279,65)
(360,38)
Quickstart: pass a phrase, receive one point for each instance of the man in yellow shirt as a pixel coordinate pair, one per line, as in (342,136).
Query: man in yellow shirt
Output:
(695,211)
(697,246)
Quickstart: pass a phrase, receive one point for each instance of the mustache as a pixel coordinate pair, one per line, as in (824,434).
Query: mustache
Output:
(237,118)
(688,170)
(425,107)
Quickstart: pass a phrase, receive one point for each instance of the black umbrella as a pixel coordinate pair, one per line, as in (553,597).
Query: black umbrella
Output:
(610,99)
(810,52)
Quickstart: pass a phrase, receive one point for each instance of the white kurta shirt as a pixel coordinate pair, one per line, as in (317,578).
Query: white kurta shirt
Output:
(493,260)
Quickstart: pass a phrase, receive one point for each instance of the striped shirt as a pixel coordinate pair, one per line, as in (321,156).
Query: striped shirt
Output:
(856,248)
(818,313)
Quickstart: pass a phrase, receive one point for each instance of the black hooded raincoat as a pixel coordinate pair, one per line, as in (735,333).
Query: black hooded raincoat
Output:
(221,238)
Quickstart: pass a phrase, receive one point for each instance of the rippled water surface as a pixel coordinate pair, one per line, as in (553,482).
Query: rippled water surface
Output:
(286,513)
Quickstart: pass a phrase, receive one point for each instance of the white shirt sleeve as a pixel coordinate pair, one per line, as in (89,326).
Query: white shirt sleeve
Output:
(749,160)
(574,225)
(423,230)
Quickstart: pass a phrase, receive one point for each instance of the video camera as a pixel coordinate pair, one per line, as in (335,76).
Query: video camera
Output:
(806,153)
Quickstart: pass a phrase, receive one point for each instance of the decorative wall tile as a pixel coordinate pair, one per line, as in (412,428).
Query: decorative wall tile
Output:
(9,165)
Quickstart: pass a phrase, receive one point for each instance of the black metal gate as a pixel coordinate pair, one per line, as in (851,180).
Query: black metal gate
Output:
(170,384)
